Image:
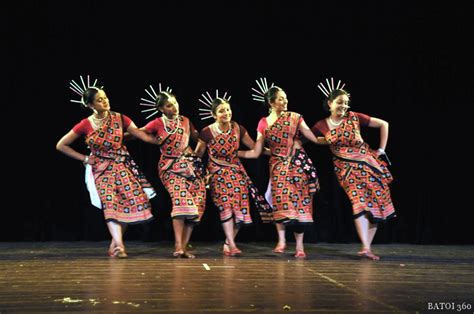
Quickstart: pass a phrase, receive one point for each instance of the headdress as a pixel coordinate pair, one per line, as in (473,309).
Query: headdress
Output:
(206,112)
(76,88)
(152,102)
(330,86)
(262,89)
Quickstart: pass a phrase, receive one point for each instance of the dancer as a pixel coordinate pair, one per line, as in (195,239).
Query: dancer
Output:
(115,182)
(180,170)
(292,174)
(229,183)
(359,169)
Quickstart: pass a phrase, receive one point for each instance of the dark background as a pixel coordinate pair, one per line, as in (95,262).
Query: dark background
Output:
(407,63)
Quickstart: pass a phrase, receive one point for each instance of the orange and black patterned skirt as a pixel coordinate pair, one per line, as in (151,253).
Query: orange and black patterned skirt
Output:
(120,187)
(294,181)
(367,188)
(182,178)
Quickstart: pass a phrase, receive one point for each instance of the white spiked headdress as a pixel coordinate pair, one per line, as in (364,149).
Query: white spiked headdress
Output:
(80,90)
(206,100)
(262,89)
(330,86)
(151,102)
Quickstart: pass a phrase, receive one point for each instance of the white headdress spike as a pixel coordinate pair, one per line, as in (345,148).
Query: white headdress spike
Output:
(206,100)
(148,102)
(82,80)
(152,114)
(330,86)
(75,90)
(154,93)
(151,102)
(210,98)
(321,85)
(80,90)
(262,88)
(150,94)
(146,110)
(326,94)
(74,84)
(257,91)
(205,103)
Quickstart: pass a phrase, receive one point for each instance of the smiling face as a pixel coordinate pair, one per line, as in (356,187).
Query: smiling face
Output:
(339,105)
(280,103)
(222,113)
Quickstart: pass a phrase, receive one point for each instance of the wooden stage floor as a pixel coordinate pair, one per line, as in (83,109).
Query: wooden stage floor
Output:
(79,276)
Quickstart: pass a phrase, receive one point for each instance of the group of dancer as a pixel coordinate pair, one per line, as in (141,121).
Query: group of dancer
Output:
(119,188)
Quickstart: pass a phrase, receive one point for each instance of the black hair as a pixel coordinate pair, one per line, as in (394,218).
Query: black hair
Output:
(333,95)
(163,98)
(271,94)
(89,95)
(216,103)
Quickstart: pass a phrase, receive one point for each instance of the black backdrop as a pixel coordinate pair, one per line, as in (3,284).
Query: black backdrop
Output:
(396,58)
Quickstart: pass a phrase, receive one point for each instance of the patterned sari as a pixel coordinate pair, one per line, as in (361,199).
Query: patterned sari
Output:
(364,177)
(181,173)
(229,183)
(293,176)
(118,179)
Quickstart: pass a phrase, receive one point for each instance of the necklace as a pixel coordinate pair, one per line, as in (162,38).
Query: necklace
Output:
(168,121)
(223,132)
(334,123)
(98,121)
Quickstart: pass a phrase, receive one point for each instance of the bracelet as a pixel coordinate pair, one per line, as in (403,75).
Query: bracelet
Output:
(86,160)
(381,150)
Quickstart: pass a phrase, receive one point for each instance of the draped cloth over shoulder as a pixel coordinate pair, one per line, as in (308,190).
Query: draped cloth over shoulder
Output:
(230,185)
(180,172)
(364,177)
(293,176)
(115,182)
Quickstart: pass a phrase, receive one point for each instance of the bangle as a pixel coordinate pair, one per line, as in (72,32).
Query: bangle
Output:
(381,150)
(86,160)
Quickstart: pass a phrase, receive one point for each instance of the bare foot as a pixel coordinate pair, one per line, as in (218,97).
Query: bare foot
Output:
(368,254)
(178,253)
(187,255)
(280,248)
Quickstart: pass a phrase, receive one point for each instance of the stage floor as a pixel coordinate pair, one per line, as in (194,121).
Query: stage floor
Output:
(79,276)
